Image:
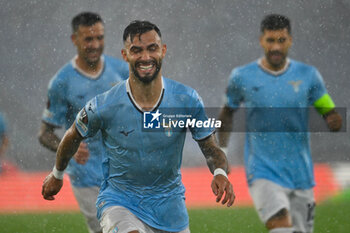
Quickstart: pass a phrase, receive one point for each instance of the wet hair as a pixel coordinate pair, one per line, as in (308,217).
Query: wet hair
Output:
(275,22)
(138,27)
(85,19)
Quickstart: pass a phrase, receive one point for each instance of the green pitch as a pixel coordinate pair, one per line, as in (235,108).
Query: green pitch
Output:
(331,217)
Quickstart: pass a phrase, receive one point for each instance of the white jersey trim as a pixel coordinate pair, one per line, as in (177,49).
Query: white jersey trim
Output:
(90,76)
(275,73)
(128,90)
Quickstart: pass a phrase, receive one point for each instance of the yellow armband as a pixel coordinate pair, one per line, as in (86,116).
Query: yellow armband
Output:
(324,104)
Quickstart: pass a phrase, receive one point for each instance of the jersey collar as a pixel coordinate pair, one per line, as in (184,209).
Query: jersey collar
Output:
(74,64)
(128,90)
(275,73)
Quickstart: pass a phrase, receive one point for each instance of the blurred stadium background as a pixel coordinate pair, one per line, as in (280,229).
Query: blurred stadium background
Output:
(205,39)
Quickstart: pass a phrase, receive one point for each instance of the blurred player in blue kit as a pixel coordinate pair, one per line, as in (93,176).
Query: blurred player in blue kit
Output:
(4,141)
(275,91)
(142,190)
(89,73)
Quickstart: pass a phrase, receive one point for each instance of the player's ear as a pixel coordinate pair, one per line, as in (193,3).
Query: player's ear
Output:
(73,37)
(124,55)
(164,49)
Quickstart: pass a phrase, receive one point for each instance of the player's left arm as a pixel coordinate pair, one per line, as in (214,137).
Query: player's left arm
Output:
(326,107)
(218,165)
(4,145)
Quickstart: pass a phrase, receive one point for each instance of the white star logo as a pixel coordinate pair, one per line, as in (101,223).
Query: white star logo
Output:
(156,115)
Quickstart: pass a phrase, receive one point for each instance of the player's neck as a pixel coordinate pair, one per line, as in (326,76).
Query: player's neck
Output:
(146,95)
(91,69)
(267,66)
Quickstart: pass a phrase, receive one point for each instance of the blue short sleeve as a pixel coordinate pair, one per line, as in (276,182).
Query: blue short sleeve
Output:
(88,121)
(317,88)
(233,92)
(198,113)
(56,108)
(2,125)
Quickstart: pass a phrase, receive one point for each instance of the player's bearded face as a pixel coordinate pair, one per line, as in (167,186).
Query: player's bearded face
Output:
(146,71)
(145,53)
(276,44)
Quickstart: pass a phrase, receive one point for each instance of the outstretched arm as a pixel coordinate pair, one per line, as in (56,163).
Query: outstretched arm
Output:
(218,165)
(66,149)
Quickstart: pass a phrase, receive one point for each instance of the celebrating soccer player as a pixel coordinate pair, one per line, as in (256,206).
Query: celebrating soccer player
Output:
(4,141)
(276,92)
(142,189)
(86,75)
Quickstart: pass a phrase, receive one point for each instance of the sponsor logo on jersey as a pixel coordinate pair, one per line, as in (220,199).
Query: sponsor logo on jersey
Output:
(126,133)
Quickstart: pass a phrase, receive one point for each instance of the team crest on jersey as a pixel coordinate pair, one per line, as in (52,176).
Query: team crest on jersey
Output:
(83,120)
(295,85)
(167,129)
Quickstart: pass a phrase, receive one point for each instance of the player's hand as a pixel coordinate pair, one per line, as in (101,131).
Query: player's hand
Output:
(51,187)
(82,154)
(334,121)
(220,186)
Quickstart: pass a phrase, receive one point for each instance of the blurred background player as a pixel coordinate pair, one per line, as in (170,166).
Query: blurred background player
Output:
(4,141)
(142,190)
(277,92)
(89,73)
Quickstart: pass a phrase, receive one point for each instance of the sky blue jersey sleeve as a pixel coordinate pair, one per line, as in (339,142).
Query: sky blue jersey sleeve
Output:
(124,70)
(88,121)
(233,91)
(2,125)
(198,113)
(317,88)
(56,107)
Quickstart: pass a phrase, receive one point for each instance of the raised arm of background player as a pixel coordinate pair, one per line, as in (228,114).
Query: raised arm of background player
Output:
(216,158)
(324,105)
(65,151)
(50,140)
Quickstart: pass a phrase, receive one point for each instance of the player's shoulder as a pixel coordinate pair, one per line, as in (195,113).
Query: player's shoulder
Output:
(301,66)
(113,94)
(178,88)
(62,75)
(245,69)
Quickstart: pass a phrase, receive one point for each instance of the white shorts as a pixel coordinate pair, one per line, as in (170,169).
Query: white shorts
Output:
(269,198)
(86,198)
(117,219)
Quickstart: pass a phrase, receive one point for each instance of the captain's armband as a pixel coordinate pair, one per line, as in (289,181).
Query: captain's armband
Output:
(324,104)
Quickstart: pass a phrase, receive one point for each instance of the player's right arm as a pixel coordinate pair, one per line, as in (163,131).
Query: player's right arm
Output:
(50,140)
(87,124)
(226,118)
(65,151)
(233,99)
(47,137)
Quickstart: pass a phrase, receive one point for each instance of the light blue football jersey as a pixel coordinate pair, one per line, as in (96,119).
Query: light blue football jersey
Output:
(277,144)
(142,168)
(3,127)
(69,91)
